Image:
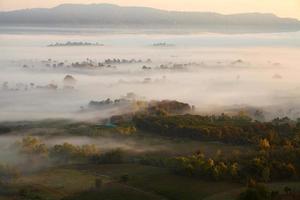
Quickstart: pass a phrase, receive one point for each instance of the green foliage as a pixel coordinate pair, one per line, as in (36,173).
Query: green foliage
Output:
(68,152)
(230,129)
(287,190)
(263,167)
(199,166)
(221,128)
(32,146)
(30,194)
(111,157)
(124,178)
(168,107)
(126,129)
(4,129)
(258,192)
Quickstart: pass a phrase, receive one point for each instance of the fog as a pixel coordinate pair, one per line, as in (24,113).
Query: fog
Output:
(216,72)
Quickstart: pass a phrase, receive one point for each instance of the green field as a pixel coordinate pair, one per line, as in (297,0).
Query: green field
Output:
(144,182)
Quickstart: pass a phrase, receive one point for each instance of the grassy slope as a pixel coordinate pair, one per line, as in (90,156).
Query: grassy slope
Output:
(277,186)
(115,191)
(144,183)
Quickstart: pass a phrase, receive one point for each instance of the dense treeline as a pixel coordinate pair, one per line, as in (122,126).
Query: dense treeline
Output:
(276,154)
(263,166)
(36,151)
(230,129)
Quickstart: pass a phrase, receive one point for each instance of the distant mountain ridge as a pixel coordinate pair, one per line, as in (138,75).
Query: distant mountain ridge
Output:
(109,15)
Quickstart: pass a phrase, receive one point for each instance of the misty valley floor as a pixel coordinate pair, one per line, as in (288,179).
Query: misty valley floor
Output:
(77,180)
(156,115)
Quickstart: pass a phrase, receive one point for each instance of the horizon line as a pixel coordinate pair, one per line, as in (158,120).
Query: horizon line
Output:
(150,7)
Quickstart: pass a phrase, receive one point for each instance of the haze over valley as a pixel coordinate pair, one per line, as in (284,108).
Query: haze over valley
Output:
(99,101)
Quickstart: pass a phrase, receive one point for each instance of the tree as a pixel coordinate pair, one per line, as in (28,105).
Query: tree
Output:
(124,178)
(258,192)
(98,183)
(287,190)
(30,194)
(33,147)
(233,170)
(266,174)
(264,144)
(111,157)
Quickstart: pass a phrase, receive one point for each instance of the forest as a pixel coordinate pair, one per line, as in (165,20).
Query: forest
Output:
(262,153)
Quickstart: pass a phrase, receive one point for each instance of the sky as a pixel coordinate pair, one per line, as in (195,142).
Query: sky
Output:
(283,8)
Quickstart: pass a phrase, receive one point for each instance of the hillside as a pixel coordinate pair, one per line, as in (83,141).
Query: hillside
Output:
(108,15)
